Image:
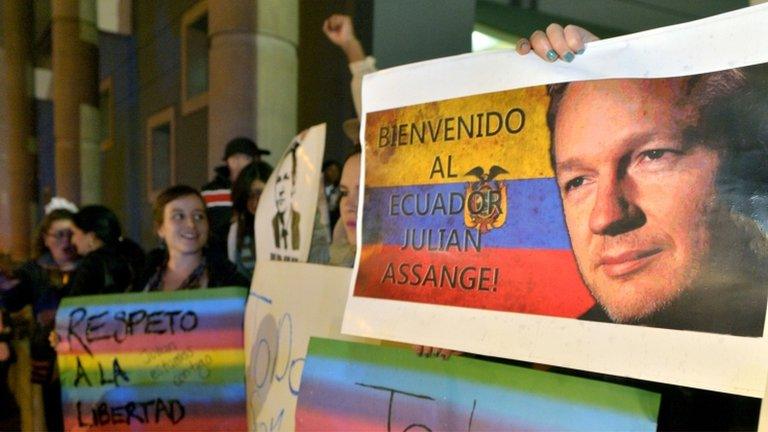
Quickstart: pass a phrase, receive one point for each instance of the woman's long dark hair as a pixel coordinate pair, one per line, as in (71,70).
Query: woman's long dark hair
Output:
(241,191)
(103,223)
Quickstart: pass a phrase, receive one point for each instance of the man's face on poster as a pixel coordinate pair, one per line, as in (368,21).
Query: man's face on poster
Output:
(637,197)
(284,186)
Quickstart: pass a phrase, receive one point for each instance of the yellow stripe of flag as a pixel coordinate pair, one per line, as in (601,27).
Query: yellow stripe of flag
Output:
(416,144)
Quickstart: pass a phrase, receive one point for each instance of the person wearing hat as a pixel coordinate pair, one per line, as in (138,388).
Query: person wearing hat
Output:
(217,193)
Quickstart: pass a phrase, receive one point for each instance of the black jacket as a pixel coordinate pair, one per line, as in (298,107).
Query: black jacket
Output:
(219,208)
(103,271)
(221,272)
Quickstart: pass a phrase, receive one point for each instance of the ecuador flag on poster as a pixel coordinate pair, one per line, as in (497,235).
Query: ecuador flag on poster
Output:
(461,208)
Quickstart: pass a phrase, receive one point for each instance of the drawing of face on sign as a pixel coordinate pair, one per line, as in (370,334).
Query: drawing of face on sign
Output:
(274,372)
(288,205)
(260,368)
(285,223)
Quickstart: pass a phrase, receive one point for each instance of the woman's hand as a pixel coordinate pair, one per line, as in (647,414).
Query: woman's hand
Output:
(556,42)
(59,345)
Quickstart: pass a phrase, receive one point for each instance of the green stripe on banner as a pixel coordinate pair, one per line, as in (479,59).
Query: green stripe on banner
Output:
(196,373)
(546,384)
(154,297)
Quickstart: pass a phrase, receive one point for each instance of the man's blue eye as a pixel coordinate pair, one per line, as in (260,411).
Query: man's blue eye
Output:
(572,184)
(654,154)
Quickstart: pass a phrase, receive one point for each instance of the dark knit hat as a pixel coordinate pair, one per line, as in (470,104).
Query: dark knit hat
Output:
(245,146)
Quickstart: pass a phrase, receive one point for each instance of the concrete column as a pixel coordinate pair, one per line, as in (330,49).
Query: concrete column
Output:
(75,100)
(17,188)
(253,73)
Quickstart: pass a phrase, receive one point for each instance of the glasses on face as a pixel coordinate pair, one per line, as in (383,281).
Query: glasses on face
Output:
(64,234)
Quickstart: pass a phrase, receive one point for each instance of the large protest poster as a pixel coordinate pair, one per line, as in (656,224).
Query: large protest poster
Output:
(349,386)
(635,246)
(153,361)
(288,304)
(291,198)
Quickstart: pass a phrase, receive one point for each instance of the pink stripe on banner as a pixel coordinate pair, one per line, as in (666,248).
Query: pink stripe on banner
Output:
(308,419)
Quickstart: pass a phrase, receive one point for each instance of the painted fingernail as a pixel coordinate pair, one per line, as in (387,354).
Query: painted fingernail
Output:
(569,57)
(581,51)
(551,55)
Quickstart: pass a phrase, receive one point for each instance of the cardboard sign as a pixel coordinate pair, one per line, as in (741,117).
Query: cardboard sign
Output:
(153,361)
(289,203)
(288,303)
(607,215)
(348,386)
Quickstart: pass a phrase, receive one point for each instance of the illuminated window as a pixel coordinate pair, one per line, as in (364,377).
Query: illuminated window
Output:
(161,152)
(194,58)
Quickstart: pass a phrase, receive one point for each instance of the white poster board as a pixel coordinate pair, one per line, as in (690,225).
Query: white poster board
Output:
(721,362)
(289,202)
(288,303)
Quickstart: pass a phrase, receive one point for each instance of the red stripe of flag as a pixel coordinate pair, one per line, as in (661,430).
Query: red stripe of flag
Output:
(534,281)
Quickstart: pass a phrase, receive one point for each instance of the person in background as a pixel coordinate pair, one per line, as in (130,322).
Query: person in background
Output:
(110,262)
(42,282)
(340,31)
(10,416)
(344,244)
(241,241)
(331,177)
(185,262)
(217,193)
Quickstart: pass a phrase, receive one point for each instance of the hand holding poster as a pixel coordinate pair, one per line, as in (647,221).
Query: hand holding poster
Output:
(153,361)
(634,201)
(348,386)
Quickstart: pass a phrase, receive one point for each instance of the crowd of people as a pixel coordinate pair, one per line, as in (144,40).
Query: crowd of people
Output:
(208,240)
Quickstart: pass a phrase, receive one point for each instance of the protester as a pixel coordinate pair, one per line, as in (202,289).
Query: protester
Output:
(110,262)
(217,193)
(341,32)
(185,262)
(10,418)
(241,241)
(344,242)
(331,178)
(42,282)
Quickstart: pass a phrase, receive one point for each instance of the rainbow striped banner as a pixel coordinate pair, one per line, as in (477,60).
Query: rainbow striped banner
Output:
(461,208)
(153,361)
(350,386)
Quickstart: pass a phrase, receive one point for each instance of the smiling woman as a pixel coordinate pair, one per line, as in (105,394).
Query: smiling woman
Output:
(185,262)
